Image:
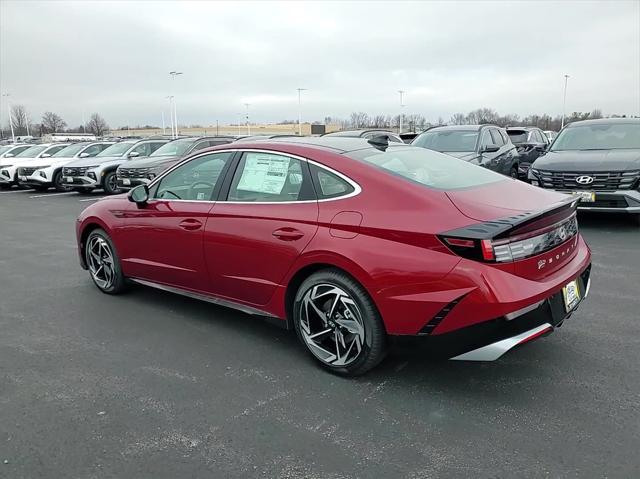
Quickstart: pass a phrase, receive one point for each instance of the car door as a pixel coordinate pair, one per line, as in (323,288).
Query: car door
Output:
(268,217)
(162,240)
(504,157)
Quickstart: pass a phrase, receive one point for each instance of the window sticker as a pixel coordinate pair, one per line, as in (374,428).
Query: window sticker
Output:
(264,173)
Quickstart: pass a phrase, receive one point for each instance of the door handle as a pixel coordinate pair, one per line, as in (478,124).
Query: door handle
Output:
(190,224)
(288,234)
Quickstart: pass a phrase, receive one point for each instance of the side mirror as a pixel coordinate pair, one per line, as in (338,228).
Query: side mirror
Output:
(139,195)
(84,155)
(134,154)
(45,155)
(490,149)
(9,155)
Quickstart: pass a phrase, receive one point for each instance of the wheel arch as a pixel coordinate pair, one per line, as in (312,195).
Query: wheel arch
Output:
(312,265)
(87,227)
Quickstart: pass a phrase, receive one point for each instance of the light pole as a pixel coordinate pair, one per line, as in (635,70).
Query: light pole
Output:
(170,98)
(163,128)
(174,74)
(247,119)
(564,101)
(401,107)
(239,123)
(13,136)
(300,111)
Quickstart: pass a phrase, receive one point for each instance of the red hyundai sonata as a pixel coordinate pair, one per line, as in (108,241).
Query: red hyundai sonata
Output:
(349,241)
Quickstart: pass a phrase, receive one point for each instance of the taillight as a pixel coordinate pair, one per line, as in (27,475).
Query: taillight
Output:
(515,247)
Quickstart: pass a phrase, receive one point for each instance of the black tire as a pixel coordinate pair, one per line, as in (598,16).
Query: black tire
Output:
(636,219)
(110,183)
(514,172)
(5,186)
(57,182)
(99,247)
(373,346)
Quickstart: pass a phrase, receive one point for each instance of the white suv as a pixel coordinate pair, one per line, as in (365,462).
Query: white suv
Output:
(43,176)
(86,174)
(34,155)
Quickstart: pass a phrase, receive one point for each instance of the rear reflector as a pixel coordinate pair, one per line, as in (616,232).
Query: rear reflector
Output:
(487,250)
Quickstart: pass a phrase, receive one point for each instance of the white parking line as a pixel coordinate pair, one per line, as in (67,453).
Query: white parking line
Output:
(92,199)
(53,194)
(15,191)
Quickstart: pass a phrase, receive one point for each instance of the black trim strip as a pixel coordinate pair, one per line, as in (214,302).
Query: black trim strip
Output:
(437,319)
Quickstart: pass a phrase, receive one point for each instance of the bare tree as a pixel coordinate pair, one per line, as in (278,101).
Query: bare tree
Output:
(595,114)
(457,119)
(97,125)
(52,122)
(21,120)
(359,119)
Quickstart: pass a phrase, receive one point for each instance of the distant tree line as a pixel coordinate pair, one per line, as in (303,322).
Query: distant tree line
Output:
(49,123)
(417,122)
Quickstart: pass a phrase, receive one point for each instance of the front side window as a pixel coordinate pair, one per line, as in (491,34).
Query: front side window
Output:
(269,177)
(174,148)
(144,149)
(447,140)
(599,136)
(93,150)
(55,149)
(427,168)
(486,139)
(497,137)
(196,180)
(155,145)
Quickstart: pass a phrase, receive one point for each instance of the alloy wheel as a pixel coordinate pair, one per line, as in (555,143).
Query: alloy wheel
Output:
(100,262)
(112,183)
(331,325)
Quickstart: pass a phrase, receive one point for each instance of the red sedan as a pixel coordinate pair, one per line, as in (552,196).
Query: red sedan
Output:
(348,242)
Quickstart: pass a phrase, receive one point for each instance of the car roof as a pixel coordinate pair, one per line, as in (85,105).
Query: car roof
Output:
(523,128)
(461,127)
(336,144)
(603,121)
(357,133)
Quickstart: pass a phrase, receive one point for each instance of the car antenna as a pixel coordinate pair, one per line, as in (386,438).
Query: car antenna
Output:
(381,142)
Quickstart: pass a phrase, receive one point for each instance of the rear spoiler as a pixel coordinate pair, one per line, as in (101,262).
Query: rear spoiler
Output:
(499,228)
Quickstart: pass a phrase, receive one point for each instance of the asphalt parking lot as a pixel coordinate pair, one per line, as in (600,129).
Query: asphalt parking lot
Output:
(150,384)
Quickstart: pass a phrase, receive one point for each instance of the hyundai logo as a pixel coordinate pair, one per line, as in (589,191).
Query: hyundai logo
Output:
(584,180)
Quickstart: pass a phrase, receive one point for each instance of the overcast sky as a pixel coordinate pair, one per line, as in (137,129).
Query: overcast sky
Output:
(114,58)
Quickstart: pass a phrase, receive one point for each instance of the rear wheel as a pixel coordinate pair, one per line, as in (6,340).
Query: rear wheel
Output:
(110,183)
(103,263)
(514,172)
(337,321)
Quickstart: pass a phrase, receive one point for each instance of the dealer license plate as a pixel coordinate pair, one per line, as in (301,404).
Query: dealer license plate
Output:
(571,295)
(68,179)
(585,196)
(126,181)
(23,178)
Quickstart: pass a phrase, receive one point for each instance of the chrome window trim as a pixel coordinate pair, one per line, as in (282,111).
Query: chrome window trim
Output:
(356,187)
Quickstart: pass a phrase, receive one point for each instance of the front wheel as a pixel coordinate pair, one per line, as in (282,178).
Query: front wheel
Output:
(103,263)
(514,172)
(110,184)
(337,321)
(57,182)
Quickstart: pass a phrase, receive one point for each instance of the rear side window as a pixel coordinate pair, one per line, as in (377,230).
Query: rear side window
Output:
(428,168)
(272,178)
(517,136)
(329,185)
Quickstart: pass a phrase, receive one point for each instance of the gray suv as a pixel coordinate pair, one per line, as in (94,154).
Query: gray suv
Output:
(596,160)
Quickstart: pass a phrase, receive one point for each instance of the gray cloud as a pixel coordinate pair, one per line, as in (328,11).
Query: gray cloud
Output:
(114,57)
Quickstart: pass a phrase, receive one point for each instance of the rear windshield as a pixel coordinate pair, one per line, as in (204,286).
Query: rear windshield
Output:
(428,168)
(612,136)
(448,140)
(517,136)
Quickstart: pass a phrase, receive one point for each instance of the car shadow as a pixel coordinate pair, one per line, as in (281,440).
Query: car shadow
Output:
(622,222)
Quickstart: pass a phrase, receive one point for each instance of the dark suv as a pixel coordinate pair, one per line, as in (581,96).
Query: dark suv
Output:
(368,134)
(141,171)
(597,160)
(531,142)
(484,145)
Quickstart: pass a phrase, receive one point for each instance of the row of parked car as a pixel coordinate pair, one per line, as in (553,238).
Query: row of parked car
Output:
(598,160)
